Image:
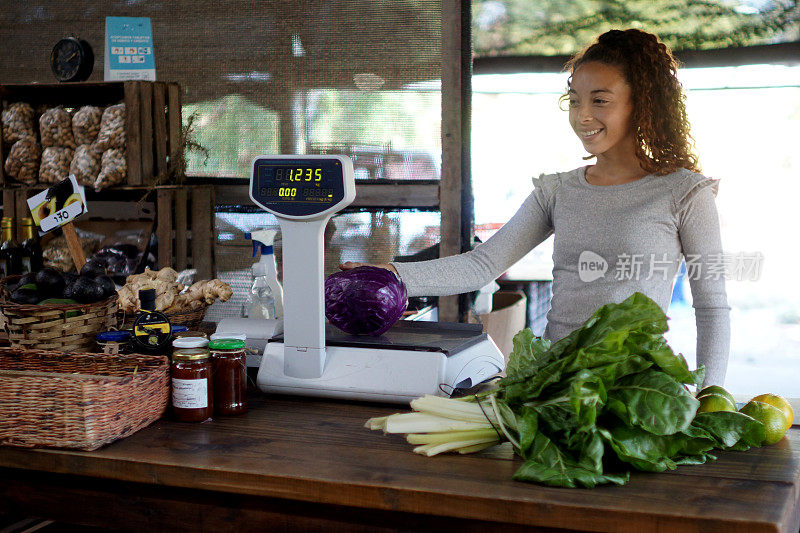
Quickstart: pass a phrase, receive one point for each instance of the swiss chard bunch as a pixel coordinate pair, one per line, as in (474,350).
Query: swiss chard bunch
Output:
(608,398)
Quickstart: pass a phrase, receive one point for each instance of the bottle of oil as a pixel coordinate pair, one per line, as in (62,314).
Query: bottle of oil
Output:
(10,251)
(31,247)
(152,331)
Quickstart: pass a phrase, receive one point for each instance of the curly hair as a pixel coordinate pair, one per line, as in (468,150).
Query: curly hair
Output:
(663,141)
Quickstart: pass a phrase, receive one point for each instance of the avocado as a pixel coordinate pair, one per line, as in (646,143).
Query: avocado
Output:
(96,292)
(25,296)
(50,283)
(69,278)
(86,290)
(25,279)
(59,301)
(69,292)
(74,197)
(107,285)
(31,286)
(28,277)
(62,301)
(93,269)
(45,209)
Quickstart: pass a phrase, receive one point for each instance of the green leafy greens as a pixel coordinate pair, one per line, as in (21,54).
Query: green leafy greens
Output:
(610,397)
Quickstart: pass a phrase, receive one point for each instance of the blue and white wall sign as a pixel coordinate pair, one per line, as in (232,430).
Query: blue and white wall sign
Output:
(129,49)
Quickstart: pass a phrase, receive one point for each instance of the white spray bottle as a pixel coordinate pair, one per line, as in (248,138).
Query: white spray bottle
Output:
(266,295)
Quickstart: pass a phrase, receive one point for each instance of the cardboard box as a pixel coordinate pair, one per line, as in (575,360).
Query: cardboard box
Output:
(506,319)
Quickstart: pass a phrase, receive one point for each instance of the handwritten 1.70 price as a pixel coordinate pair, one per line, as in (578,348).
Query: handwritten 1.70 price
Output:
(61,216)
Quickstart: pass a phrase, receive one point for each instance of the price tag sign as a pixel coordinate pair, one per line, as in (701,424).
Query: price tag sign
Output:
(58,205)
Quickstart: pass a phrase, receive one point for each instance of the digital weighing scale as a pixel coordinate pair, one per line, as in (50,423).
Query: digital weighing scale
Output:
(409,360)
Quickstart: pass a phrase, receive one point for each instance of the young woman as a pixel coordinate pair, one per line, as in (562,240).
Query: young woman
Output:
(622,224)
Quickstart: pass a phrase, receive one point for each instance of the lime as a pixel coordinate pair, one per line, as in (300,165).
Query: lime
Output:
(779,402)
(773,419)
(716,389)
(715,402)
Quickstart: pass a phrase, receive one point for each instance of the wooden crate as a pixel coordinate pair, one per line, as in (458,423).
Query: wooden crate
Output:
(185,228)
(184,220)
(152,121)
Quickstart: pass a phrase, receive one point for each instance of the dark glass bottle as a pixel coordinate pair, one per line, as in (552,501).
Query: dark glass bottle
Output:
(10,251)
(152,331)
(31,247)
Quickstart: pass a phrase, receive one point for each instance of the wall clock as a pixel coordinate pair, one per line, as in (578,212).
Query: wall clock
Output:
(72,59)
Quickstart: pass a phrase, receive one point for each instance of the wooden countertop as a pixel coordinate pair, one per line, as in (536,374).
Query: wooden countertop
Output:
(289,450)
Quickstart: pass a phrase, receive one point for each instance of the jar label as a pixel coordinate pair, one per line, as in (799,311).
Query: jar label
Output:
(190,393)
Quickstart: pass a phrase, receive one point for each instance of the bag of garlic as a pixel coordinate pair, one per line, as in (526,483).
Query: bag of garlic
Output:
(55,128)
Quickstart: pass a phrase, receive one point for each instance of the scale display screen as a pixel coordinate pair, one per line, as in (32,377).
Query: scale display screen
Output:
(297,187)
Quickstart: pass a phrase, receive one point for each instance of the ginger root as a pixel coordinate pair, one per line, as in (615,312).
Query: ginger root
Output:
(171,296)
(199,294)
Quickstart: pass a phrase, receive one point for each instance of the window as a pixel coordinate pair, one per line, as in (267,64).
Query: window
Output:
(744,120)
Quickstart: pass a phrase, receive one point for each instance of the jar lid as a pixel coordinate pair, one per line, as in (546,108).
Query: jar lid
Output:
(190,342)
(113,336)
(226,344)
(228,335)
(190,354)
(189,333)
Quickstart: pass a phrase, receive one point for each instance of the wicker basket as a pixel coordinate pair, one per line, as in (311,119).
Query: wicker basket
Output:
(83,401)
(66,328)
(190,319)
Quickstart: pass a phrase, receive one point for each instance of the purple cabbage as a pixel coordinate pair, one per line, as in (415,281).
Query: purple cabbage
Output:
(364,300)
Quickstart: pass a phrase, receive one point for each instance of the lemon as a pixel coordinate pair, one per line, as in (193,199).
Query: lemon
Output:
(773,419)
(716,389)
(779,402)
(715,402)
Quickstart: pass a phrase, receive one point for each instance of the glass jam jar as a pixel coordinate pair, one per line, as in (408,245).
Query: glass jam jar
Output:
(182,343)
(228,335)
(230,376)
(113,342)
(192,385)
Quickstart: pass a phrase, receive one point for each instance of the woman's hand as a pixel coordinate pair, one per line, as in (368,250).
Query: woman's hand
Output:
(352,264)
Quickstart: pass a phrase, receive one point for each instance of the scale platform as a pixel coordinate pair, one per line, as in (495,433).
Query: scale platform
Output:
(409,360)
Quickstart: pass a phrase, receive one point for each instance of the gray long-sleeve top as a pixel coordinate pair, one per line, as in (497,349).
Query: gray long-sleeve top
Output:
(639,231)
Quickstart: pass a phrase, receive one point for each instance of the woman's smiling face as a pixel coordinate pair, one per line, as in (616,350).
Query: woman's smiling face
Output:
(600,109)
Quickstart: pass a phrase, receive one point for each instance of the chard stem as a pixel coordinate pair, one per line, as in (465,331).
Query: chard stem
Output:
(499,417)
